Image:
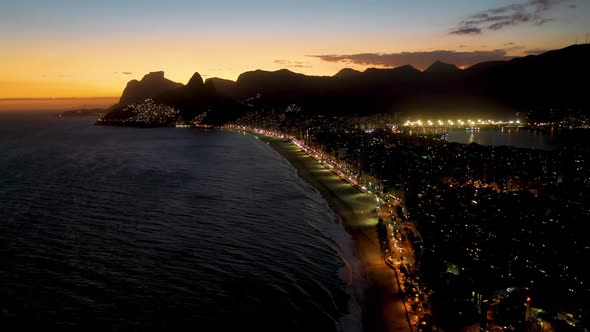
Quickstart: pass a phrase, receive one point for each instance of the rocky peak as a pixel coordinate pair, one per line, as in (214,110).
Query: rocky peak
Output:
(196,81)
(155,75)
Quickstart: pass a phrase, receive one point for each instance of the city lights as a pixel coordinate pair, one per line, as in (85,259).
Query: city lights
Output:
(460,123)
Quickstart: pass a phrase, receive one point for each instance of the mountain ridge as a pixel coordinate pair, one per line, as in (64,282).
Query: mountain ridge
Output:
(441,67)
(550,79)
(152,84)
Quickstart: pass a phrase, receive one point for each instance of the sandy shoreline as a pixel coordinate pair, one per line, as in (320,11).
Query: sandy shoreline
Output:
(383,309)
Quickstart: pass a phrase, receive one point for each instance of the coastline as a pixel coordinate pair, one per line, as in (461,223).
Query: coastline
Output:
(382,308)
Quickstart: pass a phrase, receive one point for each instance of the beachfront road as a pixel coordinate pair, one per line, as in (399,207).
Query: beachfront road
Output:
(383,308)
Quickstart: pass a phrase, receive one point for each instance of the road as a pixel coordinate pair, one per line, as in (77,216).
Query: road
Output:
(402,261)
(383,309)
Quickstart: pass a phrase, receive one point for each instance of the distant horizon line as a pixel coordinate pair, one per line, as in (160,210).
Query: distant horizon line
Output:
(55,98)
(287,68)
(205,78)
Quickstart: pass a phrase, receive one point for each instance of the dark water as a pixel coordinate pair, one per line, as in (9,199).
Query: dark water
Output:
(126,229)
(518,137)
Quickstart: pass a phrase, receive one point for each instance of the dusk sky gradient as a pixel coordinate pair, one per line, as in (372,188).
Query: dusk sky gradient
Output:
(79,48)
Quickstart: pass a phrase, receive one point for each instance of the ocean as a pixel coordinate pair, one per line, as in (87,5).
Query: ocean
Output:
(129,229)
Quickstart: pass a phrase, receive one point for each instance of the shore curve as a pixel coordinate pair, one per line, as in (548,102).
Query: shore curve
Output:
(383,307)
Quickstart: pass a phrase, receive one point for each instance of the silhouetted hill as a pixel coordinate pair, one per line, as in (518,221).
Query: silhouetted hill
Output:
(389,76)
(196,82)
(223,86)
(150,85)
(347,73)
(191,100)
(554,79)
(441,67)
(196,98)
(273,83)
(283,87)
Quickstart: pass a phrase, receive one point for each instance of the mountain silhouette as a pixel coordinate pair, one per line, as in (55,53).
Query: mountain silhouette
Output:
(150,85)
(441,67)
(550,80)
(223,86)
(347,73)
(196,82)
(196,98)
(191,100)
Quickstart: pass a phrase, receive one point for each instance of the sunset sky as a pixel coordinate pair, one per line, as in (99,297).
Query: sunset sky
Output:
(82,48)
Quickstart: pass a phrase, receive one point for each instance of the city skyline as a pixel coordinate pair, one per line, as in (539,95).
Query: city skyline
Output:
(91,49)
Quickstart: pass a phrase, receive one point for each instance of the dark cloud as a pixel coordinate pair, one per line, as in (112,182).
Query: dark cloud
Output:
(572,6)
(531,11)
(420,60)
(293,64)
(126,73)
(466,31)
(543,21)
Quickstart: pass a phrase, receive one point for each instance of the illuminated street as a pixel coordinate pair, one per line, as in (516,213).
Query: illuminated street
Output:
(358,208)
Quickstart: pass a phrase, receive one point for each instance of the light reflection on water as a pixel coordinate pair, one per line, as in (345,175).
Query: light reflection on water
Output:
(521,138)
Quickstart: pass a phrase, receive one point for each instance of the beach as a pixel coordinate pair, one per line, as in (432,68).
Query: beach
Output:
(383,308)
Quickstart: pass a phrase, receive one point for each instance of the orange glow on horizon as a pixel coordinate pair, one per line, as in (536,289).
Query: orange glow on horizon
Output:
(55,69)
(93,48)
(55,104)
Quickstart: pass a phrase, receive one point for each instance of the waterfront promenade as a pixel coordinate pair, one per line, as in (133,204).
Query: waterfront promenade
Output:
(383,307)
